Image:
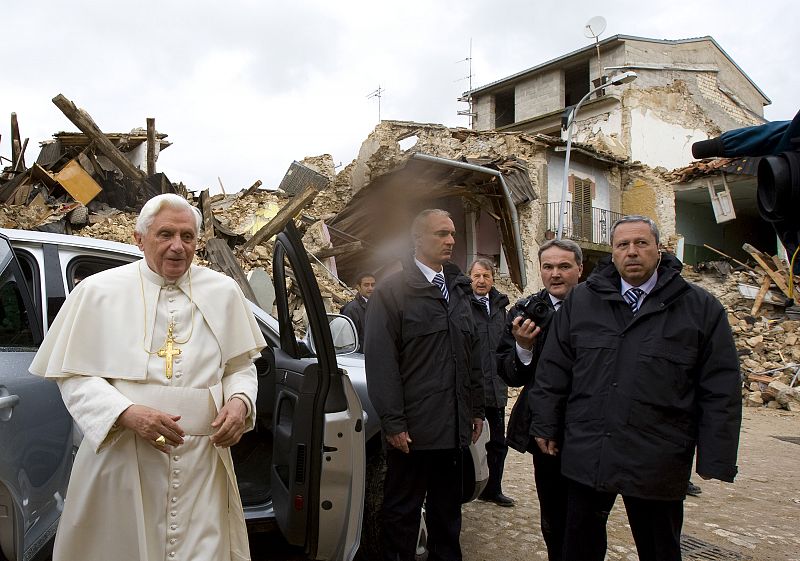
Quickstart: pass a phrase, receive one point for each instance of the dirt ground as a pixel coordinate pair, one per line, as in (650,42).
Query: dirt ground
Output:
(757,517)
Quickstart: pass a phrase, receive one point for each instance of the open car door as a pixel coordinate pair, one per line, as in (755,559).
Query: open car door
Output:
(318,458)
(35,427)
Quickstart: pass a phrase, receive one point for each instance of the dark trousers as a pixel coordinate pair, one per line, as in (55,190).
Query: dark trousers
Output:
(496,450)
(429,476)
(655,525)
(551,488)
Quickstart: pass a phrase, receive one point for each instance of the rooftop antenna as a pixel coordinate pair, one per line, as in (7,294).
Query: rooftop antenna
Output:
(592,30)
(468,98)
(378,93)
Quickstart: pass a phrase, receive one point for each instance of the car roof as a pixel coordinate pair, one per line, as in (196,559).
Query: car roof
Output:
(74,241)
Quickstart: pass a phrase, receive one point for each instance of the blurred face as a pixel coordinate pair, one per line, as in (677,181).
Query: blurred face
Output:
(560,271)
(366,287)
(482,280)
(435,241)
(169,243)
(634,252)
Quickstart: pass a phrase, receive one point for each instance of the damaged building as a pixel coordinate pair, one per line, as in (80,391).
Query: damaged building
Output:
(498,186)
(687,90)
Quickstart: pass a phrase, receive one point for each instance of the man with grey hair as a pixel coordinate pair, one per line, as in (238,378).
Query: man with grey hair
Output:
(154,361)
(560,267)
(639,370)
(489,312)
(425,381)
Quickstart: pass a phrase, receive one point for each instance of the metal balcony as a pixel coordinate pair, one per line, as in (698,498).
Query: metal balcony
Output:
(583,223)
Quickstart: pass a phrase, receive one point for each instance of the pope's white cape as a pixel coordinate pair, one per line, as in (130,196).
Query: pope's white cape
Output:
(116,504)
(78,343)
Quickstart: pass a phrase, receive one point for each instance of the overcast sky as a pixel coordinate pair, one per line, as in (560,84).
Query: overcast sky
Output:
(242,87)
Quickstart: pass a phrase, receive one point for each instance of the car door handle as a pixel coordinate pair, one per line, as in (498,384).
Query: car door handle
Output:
(9,401)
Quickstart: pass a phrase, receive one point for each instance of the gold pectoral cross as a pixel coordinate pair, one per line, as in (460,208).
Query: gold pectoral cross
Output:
(168,351)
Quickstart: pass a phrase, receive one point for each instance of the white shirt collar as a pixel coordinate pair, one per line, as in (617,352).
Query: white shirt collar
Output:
(488,301)
(427,271)
(646,287)
(150,275)
(554,300)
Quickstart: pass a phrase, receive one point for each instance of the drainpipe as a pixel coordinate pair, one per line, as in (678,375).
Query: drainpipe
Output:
(512,209)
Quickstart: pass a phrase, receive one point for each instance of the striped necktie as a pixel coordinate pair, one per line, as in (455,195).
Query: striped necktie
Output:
(485,301)
(438,280)
(633,296)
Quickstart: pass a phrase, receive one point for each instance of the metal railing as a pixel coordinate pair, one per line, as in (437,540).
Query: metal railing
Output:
(583,223)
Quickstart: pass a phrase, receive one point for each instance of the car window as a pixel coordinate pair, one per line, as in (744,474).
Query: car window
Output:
(15,318)
(81,267)
(30,272)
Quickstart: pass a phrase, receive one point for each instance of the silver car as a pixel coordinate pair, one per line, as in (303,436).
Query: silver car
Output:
(310,468)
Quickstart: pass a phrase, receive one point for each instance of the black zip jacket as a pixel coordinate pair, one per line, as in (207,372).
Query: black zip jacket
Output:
(490,328)
(423,362)
(631,397)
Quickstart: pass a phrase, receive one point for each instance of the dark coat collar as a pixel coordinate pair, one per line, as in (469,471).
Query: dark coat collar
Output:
(496,299)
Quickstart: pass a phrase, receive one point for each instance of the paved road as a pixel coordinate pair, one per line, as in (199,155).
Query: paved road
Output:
(758,517)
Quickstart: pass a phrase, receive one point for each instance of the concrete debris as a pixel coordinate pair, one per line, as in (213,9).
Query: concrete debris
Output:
(767,342)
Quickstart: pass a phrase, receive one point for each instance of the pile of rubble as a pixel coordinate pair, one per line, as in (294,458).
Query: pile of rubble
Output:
(93,184)
(767,341)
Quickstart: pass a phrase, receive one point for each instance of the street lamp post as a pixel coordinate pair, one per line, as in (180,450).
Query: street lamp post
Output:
(617,80)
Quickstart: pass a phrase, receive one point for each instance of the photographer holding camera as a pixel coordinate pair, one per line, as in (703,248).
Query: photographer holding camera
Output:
(560,265)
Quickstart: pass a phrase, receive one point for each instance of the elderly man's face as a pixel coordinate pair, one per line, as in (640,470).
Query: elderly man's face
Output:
(482,280)
(634,252)
(434,244)
(560,271)
(170,242)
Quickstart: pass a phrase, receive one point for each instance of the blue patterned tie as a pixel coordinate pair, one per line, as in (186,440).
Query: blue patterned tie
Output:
(485,301)
(438,280)
(632,297)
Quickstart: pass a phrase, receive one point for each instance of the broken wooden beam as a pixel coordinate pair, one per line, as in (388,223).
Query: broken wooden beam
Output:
(16,141)
(151,146)
(335,251)
(208,216)
(252,189)
(19,164)
(289,210)
(87,126)
(220,256)
(726,256)
(761,259)
(766,282)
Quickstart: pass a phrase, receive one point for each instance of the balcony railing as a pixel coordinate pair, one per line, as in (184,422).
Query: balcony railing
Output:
(583,223)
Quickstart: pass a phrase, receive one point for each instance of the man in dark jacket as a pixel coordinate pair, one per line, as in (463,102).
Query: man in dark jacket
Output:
(425,380)
(489,313)
(639,368)
(560,266)
(356,309)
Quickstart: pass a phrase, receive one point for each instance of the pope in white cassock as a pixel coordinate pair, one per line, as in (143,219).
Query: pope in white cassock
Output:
(155,363)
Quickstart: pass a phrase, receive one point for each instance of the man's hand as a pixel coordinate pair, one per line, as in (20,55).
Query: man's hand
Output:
(477,429)
(525,332)
(399,441)
(151,423)
(229,423)
(547,446)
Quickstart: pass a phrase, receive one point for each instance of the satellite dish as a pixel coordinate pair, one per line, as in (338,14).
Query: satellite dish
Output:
(594,27)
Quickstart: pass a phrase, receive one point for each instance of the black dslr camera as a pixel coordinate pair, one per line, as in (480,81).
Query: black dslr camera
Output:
(533,308)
